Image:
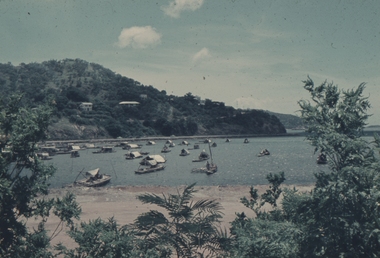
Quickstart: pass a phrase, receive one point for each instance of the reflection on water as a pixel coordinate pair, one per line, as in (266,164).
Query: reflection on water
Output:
(237,162)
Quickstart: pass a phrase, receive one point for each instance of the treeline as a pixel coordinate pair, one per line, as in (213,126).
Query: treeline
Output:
(67,83)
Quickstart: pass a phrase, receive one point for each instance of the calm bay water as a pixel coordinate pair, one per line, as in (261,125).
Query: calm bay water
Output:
(237,162)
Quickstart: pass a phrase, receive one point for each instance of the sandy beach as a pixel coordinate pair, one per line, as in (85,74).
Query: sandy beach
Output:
(120,202)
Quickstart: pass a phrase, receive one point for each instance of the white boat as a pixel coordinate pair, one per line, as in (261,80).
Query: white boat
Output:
(210,167)
(202,157)
(184,152)
(131,146)
(165,149)
(93,179)
(152,166)
(133,155)
(158,158)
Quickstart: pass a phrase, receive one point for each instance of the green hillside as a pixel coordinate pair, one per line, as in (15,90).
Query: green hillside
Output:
(68,83)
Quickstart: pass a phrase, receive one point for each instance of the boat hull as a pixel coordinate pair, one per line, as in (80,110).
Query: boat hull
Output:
(149,170)
(94,183)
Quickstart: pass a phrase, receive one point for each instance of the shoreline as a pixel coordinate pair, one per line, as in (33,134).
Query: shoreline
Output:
(157,138)
(120,202)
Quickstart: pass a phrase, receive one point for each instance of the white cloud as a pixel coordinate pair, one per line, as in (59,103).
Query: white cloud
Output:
(204,53)
(177,6)
(138,37)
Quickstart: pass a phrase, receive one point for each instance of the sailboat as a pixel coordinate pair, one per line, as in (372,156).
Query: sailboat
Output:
(211,168)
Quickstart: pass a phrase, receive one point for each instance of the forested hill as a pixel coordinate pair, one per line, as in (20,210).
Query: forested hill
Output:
(68,83)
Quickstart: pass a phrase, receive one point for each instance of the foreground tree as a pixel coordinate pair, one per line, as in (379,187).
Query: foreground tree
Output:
(340,217)
(99,238)
(343,211)
(24,182)
(190,228)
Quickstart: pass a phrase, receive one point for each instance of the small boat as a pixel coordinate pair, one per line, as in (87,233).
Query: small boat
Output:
(214,144)
(51,150)
(153,166)
(121,144)
(196,146)
(157,158)
(131,146)
(210,167)
(264,152)
(133,155)
(207,141)
(246,140)
(151,143)
(228,140)
(322,159)
(104,150)
(184,152)
(165,149)
(74,154)
(202,157)
(185,143)
(93,179)
(44,156)
(172,144)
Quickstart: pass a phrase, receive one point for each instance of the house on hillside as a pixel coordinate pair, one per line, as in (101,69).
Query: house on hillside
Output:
(86,106)
(129,103)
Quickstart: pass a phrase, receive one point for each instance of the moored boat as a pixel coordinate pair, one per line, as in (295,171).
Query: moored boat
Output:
(93,179)
(152,167)
(165,149)
(158,158)
(133,155)
(202,157)
(184,152)
(322,159)
(264,152)
(104,150)
(210,167)
(74,154)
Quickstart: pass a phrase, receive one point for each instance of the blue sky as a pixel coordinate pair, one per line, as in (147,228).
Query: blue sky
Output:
(246,53)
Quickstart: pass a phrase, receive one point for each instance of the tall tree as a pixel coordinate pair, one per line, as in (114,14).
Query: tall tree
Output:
(24,182)
(343,211)
(340,216)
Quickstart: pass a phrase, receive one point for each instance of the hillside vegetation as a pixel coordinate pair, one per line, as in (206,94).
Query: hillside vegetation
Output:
(68,83)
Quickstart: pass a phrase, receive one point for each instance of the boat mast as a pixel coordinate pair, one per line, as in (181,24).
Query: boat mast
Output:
(212,161)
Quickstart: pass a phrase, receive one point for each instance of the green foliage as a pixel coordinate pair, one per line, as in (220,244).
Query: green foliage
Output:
(190,228)
(340,216)
(343,210)
(256,202)
(99,238)
(264,238)
(70,82)
(24,180)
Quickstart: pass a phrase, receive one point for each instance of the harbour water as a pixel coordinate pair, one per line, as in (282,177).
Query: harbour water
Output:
(238,163)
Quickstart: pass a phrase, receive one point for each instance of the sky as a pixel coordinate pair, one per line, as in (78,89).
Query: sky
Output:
(246,53)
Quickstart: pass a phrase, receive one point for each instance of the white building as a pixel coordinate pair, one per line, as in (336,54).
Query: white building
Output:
(86,106)
(129,103)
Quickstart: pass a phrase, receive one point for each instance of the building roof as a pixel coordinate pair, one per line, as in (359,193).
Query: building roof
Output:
(129,103)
